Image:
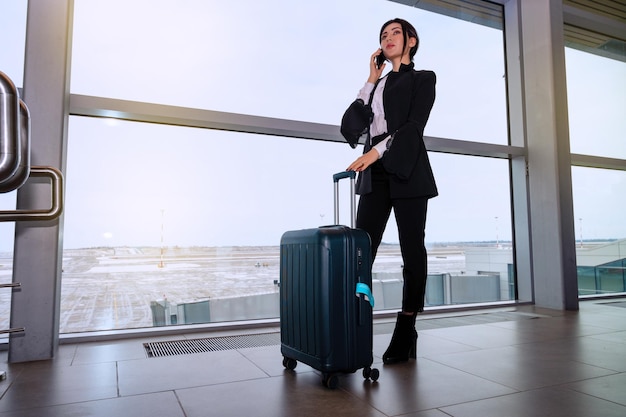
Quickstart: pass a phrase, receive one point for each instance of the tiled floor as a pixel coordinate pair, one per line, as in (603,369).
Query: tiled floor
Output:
(509,362)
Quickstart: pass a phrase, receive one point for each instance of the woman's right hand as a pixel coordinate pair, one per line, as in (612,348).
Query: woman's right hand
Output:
(375,72)
(364,161)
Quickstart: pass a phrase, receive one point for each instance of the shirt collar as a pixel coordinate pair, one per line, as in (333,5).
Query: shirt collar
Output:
(406,67)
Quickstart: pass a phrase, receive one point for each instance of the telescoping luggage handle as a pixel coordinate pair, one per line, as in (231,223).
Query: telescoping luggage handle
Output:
(361,288)
(338,176)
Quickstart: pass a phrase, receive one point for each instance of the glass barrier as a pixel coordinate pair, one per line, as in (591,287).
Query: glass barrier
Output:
(600,233)
(602,280)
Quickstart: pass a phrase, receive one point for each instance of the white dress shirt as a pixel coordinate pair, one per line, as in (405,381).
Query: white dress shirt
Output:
(379,124)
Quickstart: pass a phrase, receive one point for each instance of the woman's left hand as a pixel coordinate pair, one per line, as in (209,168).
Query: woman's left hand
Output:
(375,72)
(364,161)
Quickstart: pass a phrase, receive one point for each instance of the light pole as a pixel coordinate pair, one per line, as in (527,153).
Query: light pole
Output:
(497,234)
(161,264)
(581,230)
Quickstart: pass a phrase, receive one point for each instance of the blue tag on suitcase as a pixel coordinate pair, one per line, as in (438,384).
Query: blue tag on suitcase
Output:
(325,297)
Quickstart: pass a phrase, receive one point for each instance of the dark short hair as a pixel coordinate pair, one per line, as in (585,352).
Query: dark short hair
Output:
(408,31)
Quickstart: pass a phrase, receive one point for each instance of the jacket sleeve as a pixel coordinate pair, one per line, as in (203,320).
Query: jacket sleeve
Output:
(408,142)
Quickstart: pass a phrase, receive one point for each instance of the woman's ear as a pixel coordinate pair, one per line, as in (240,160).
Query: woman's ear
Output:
(412,42)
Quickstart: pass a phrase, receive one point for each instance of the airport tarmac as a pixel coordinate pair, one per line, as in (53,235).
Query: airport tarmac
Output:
(111,288)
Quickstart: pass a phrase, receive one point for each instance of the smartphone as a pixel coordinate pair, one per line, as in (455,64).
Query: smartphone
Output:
(380,59)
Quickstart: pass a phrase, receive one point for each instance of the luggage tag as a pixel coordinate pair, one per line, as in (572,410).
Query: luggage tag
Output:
(365,290)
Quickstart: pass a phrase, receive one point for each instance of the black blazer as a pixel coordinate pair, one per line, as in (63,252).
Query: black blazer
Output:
(407,99)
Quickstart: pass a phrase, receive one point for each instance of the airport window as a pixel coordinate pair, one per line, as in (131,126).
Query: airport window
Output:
(303,63)
(469,232)
(596,109)
(13,35)
(596,127)
(175,215)
(174,236)
(180,225)
(128,236)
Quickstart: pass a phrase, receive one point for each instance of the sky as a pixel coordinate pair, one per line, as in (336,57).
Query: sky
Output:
(142,184)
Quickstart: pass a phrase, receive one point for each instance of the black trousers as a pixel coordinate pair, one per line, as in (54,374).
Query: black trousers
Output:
(373,213)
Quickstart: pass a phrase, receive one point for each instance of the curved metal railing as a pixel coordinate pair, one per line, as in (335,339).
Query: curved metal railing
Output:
(56,207)
(15,168)
(10,152)
(21,147)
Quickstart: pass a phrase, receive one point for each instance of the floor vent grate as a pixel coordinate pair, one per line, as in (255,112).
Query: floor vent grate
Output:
(211,344)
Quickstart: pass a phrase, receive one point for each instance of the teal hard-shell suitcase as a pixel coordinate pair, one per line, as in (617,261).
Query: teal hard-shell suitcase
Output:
(325,298)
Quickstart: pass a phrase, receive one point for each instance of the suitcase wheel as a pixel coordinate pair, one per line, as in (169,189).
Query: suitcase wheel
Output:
(290,363)
(330,380)
(371,373)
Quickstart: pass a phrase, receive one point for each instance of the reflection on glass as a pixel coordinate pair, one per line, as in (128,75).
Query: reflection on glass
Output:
(178,225)
(600,233)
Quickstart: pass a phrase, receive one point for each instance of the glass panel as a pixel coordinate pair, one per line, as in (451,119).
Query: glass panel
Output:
(284,59)
(595,95)
(179,225)
(600,232)
(167,217)
(7,229)
(594,42)
(13,36)
(468,237)
(469,231)
(7,239)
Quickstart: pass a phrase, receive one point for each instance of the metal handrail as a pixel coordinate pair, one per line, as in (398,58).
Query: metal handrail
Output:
(56,206)
(10,146)
(14,330)
(21,145)
(15,168)
(13,285)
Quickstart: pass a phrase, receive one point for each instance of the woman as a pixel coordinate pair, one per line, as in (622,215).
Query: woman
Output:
(394,170)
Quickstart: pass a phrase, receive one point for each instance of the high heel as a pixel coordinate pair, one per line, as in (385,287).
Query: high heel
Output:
(403,341)
(413,350)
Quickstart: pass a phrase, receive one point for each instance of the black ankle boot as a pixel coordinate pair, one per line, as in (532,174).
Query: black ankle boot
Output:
(403,342)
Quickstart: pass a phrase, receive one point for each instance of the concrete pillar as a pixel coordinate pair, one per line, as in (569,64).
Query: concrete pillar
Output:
(544,91)
(38,244)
